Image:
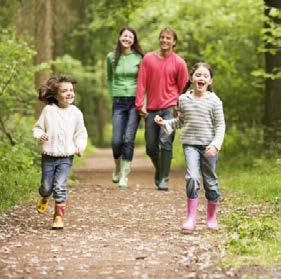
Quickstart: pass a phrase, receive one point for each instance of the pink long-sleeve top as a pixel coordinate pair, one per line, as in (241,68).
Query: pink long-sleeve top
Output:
(161,80)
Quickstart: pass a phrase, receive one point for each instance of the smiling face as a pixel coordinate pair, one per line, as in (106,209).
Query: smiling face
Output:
(65,94)
(126,39)
(201,79)
(166,41)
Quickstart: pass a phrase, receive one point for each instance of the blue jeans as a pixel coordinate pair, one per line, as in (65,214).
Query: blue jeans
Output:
(55,171)
(155,136)
(125,122)
(197,162)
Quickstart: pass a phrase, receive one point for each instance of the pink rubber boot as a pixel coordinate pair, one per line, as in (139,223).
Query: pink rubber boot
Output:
(211,215)
(190,222)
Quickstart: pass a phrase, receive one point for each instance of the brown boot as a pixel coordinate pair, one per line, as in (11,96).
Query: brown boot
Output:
(58,216)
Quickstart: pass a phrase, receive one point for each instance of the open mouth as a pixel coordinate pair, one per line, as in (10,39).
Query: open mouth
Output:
(201,84)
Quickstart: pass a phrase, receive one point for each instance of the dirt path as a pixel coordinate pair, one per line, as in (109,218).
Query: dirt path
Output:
(112,233)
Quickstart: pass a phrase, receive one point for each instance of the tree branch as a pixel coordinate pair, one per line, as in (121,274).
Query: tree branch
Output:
(13,73)
(6,133)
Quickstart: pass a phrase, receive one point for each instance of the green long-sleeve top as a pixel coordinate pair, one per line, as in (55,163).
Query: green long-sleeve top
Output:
(122,80)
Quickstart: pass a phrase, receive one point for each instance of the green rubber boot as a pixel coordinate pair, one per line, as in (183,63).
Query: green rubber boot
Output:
(166,159)
(124,172)
(116,172)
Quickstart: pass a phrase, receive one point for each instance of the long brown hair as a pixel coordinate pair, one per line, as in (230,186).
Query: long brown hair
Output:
(118,50)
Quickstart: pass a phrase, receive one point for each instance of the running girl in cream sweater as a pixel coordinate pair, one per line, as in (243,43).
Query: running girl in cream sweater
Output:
(61,134)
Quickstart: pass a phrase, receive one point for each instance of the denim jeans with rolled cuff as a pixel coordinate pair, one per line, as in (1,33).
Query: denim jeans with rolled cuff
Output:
(125,122)
(197,164)
(55,171)
(155,136)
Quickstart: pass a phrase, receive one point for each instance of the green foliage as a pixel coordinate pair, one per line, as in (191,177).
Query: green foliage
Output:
(241,146)
(253,200)
(19,165)
(226,35)
(16,73)
(248,230)
(82,74)
(271,36)
(250,238)
(17,79)
(272,31)
(7,12)
(258,182)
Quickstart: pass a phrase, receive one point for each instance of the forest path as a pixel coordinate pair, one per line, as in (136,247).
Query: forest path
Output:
(112,233)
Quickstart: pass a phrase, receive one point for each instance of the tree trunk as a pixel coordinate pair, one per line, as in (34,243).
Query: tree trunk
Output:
(272,119)
(35,17)
(43,39)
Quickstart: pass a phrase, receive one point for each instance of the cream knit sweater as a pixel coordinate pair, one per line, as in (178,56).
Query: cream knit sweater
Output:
(65,129)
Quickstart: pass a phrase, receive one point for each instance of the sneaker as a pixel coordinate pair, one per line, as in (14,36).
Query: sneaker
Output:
(42,205)
(57,223)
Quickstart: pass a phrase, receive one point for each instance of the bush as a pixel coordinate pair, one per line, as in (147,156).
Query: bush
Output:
(19,174)
(19,164)
(241,147)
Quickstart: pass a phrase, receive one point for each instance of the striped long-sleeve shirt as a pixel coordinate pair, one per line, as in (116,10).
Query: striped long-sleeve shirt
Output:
(201,120)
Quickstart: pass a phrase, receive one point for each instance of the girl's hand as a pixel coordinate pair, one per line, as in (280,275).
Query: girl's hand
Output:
(143,112)
(211,151)
(44,137)
(79,152)
(159,120)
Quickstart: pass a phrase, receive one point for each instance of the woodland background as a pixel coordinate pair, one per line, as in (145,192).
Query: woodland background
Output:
(241,39)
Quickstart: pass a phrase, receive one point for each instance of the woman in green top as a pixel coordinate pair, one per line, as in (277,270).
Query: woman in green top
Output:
(122,70)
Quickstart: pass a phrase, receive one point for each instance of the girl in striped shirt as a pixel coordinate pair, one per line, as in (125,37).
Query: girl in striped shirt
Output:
(202,121)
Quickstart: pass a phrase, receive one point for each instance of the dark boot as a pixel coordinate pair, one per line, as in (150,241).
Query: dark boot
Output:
(155,161)
(164,170)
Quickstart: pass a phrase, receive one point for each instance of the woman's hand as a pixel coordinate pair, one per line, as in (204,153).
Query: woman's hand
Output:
(44,137)
(159,120)
(211,151)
